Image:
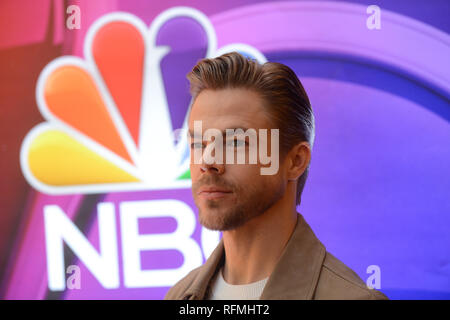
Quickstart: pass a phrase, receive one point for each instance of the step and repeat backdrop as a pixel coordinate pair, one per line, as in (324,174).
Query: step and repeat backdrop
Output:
(95,198)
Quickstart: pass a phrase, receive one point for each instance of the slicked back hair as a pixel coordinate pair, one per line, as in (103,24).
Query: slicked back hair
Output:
(286,101)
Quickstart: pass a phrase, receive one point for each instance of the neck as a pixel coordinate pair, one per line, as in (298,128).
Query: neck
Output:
(253,250)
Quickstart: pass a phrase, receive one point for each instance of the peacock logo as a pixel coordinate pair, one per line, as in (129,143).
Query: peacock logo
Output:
(112,118)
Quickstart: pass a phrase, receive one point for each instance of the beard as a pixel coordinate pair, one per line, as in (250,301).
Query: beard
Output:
(244,204)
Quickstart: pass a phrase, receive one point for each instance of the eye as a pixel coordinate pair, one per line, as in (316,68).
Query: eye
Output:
(196,145)
(236,143)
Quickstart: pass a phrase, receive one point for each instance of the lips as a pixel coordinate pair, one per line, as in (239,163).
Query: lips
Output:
(213,193)
(210,190)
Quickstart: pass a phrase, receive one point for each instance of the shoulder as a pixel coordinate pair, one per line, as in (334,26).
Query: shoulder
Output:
(338,282)
(176,292)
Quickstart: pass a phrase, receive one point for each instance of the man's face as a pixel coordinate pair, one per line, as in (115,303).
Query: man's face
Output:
(249,193)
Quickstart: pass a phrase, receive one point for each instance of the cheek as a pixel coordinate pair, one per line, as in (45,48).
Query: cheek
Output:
(195,171)
(245,177)
(269,183)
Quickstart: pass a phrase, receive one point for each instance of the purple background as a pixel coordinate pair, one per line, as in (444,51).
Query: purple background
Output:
(378,189)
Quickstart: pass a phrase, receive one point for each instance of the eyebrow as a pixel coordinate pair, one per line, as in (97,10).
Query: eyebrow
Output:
(191,132)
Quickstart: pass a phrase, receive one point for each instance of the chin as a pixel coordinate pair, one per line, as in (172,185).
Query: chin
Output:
(220,220)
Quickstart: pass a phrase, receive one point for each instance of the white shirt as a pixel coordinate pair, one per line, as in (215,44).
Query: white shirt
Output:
(221,290)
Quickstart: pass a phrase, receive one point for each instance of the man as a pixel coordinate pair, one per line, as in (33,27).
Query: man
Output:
(267,251)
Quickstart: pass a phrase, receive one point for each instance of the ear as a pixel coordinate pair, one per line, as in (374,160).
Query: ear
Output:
(299,158)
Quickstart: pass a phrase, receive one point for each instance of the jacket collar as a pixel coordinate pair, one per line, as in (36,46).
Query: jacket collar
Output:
(295,276)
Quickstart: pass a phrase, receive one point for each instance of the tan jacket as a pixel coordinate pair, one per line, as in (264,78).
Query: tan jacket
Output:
(305,271)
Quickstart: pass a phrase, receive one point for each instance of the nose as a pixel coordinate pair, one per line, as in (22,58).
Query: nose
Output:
(208,161)
(214,168)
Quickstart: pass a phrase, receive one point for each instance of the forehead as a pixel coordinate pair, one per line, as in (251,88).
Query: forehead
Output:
(229,108)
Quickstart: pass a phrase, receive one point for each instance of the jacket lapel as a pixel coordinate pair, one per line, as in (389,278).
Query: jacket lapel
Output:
(297,272)
(197,290)
(295,276)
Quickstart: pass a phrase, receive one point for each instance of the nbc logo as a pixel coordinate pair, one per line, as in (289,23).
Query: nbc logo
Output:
(110,121)
(111,117)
